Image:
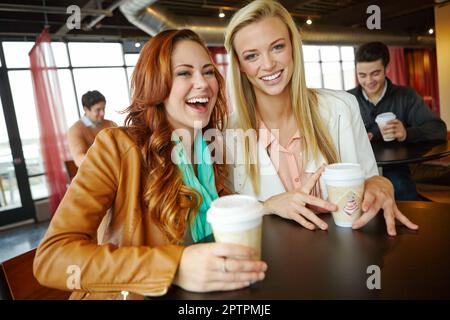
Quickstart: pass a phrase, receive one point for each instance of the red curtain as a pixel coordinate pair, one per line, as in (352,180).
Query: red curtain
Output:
(220,58)
(51,120)
(396,71)
(422,74)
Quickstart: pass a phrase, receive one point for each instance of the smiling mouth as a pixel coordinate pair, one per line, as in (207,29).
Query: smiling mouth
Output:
(198,104)
(272,76)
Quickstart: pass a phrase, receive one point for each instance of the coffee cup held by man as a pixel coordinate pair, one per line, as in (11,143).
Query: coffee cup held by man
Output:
(414,123)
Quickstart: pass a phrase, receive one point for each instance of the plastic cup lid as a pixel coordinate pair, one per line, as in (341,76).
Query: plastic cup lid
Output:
(234,209)
(343,171)
(386,116)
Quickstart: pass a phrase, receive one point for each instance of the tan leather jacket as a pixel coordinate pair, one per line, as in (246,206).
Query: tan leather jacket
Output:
(130,253)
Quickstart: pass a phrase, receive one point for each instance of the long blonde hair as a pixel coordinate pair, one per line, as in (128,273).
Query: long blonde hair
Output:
(304,100)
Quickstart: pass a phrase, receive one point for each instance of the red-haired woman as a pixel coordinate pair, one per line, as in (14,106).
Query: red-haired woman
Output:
(157,205)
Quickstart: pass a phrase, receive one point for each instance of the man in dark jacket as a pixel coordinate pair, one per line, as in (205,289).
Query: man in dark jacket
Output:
(376,94)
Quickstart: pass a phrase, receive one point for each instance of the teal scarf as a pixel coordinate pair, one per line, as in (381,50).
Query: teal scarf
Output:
(204,183)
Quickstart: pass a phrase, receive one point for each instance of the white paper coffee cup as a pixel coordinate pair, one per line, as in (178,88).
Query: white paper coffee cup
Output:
(237,219)
(381,120)
(345,188)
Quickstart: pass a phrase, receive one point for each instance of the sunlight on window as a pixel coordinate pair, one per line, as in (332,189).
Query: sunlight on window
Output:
(330,67)
(23,97)
(348,69)
(88,54)
(311,53)
(3,133)
(68,97)
(312,73)
(329,53)
(111,82)
(347,54)
(332,76)
(39,188)
(9,193)
(60,54)
(131,59)
(16,53)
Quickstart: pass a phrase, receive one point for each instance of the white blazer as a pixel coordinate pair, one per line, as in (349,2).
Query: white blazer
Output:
(340,112)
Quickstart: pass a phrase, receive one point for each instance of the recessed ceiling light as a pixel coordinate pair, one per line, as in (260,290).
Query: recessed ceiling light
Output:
(309,21)
(431,31)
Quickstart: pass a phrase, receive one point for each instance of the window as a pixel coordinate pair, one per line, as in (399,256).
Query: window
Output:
(95,66)
(16,54)
(115,92)
(131,59)
(313,74)
(23,97)
(68,97)
(60,54)
(329,67)
(87,54)
(130,74)
(9,191)
(348,67)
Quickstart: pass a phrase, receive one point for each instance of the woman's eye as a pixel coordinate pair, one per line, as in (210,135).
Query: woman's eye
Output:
(279,46)
(209,72)
(250,57)
(183,73)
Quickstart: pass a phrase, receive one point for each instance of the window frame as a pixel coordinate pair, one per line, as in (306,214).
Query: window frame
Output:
(124,66)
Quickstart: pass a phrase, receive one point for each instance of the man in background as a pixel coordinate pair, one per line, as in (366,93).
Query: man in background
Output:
(414,122)
(83,132)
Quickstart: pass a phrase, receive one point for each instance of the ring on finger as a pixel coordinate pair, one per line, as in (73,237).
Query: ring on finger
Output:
(224,265)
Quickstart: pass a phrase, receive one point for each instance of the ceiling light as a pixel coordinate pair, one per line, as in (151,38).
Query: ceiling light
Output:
(431,31)
(309,21)
(137,44)
(221,14)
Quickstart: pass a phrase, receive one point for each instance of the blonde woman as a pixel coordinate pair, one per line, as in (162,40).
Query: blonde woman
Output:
(299,129)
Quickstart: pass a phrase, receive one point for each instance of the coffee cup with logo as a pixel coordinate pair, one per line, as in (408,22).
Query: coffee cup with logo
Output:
(345,188)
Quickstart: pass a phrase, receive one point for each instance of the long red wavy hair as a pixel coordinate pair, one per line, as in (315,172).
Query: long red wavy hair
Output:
(169,202)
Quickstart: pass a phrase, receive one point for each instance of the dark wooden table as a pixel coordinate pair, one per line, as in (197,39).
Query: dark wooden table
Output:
(333,264)
(394,152)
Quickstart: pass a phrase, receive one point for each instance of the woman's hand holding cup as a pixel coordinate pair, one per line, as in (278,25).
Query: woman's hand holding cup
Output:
(218,267)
